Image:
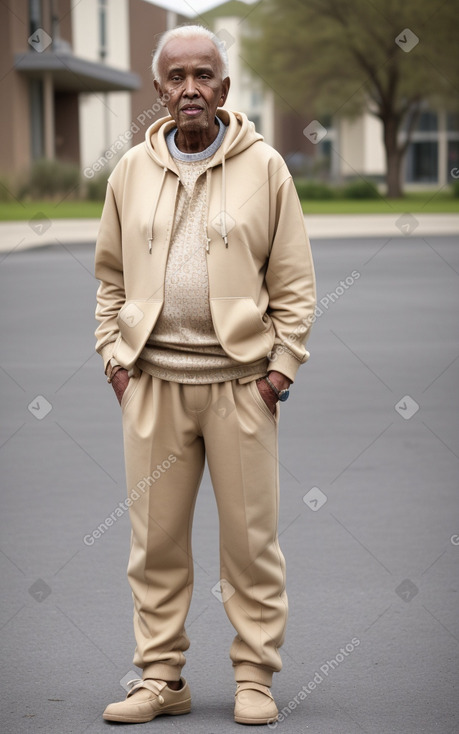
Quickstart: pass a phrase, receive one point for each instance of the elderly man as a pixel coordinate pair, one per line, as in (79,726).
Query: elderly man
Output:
(205,301)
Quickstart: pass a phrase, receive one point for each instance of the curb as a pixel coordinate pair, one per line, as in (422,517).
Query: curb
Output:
(17,236)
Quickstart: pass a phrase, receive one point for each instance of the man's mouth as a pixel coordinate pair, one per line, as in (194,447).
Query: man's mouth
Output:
(191,110)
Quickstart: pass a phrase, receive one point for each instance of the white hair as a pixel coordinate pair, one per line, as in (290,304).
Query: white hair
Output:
(190,31)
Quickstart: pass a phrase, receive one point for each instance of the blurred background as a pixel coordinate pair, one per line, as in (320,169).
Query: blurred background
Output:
(360,98)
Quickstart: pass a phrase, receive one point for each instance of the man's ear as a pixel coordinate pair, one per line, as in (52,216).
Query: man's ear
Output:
(225,89)
(160,92)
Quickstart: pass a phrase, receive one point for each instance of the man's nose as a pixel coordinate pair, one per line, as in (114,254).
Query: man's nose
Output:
(190,87)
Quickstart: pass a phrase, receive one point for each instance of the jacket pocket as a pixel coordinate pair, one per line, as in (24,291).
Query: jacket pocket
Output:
(136,320)
(244,333)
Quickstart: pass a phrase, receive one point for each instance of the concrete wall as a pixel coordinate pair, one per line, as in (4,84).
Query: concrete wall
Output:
(246,92)
(104,117)
(146,23)
(14,90)
(361,146)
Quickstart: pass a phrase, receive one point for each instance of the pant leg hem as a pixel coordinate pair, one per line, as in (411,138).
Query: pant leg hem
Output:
(254,673)
(162,671)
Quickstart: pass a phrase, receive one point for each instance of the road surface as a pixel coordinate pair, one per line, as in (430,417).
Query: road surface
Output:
(369,512)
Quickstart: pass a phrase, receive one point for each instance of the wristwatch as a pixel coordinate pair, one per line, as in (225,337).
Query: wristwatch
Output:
(281,394)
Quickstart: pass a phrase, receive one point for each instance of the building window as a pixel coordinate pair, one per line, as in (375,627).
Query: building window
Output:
(324,159)
(453,160)
(256,98)
(427,122)
(34,16)
(102,29)
(452,122)
(422,163)
(256,119)
(36,118)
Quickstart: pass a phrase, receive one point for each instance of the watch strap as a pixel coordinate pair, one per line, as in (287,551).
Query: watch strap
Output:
(281,394)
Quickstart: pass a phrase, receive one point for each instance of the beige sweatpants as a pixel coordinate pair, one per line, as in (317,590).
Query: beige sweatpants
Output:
(169,429)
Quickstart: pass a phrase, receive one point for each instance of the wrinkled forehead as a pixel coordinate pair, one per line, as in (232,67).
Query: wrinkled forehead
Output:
(187,53)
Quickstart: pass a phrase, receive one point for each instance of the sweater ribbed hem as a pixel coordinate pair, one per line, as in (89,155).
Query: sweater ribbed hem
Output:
(233,372)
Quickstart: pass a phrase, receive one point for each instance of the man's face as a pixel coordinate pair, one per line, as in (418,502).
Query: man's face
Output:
(191,74)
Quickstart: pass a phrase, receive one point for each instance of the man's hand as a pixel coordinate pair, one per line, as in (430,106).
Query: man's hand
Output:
(279,380)
(268,395)
(120,382)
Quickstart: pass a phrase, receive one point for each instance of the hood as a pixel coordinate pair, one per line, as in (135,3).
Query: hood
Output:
(239,136)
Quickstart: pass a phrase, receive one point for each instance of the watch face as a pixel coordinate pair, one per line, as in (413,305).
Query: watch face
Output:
(283,395)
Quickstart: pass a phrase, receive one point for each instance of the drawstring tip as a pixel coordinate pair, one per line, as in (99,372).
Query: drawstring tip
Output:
(207,244)
(150,240)
(225,240)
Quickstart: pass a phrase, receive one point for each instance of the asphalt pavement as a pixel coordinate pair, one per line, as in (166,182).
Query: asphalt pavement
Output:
(369,522)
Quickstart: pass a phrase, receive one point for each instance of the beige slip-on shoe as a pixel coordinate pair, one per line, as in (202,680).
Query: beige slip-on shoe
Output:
(147,699)
(254,704)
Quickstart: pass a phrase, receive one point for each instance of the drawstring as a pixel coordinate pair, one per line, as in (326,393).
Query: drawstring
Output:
(223,224)
(208,239)
(224,232)
(155,208)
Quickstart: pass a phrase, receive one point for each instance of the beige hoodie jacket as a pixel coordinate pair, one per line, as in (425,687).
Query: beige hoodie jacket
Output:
(261,276)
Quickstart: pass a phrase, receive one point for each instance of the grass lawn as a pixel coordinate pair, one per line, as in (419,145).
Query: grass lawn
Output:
(426,202)
(17,211)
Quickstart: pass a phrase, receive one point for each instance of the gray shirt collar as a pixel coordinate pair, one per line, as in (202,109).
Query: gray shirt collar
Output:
(191,157)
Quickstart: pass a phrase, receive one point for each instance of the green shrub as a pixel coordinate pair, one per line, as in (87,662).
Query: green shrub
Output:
(7,192)
(49,178)
(455,189)
(360,190)
(308,190)
(316,190)
(96,188)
